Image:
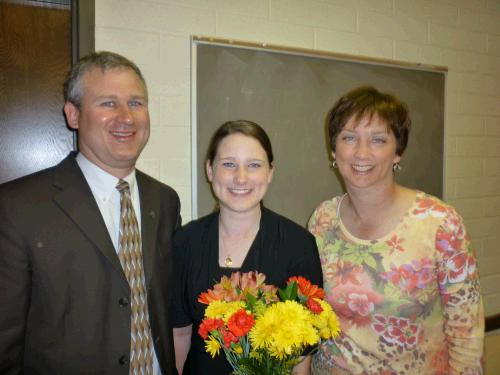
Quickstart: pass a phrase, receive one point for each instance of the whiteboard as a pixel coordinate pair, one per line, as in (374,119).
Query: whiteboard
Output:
(289,95)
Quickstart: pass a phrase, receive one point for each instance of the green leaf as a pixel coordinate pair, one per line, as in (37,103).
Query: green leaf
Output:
(249,366)
(250,301)
(370,261)
(289,293)
(411,310)
(352,258)
(379,247)
(391,291)
(334,349)
(332,247)
(320,242)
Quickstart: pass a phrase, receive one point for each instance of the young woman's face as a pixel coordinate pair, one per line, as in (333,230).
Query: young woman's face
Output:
(240,173)
(366,152)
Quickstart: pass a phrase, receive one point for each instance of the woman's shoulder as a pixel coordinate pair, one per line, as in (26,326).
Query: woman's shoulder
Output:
(291,240)
(271,216)
(195,228)
(283,225)
(430,206)
(325,214)
(330,205)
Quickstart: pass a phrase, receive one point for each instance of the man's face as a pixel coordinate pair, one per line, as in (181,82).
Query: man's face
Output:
(113,119)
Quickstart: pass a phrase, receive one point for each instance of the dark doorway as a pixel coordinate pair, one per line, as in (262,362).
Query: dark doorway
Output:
(35,56)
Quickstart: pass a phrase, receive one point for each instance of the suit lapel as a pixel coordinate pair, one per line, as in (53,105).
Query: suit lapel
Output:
(150,205)
(76,200)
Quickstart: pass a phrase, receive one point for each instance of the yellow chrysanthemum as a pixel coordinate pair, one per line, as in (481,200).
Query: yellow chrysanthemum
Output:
(326,322)
(259,308)
(232,308)
(284,329)
(222,309)
(212,346)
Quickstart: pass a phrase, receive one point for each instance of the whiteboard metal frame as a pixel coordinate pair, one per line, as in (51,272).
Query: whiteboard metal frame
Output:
(316,53)
(194,148)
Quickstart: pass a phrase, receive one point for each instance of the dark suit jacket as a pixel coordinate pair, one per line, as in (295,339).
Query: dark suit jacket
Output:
(63,295)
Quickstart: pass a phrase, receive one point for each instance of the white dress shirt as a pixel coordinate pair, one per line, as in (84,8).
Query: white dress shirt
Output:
(103,187)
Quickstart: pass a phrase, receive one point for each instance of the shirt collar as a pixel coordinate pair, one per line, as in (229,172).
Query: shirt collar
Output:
(101,182)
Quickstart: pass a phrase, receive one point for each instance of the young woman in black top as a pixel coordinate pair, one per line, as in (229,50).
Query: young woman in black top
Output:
(241,235)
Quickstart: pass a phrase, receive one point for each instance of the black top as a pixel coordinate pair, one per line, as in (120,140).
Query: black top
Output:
(280,250)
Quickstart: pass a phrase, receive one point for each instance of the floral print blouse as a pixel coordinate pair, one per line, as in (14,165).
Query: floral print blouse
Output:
(408,303)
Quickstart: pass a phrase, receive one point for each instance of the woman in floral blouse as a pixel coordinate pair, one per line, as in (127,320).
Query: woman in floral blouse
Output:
(398,266)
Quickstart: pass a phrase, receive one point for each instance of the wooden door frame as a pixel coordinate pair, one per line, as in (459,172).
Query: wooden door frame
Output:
(82,28)
(82,35)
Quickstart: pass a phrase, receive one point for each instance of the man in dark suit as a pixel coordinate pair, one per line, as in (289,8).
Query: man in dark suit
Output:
(85,265)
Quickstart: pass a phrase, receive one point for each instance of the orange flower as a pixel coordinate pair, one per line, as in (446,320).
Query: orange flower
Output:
(208,325)
(225,290)
(238,286)
(343,272)
(240,323)
(306,289)
(314,306)
(209,296)
(252,283)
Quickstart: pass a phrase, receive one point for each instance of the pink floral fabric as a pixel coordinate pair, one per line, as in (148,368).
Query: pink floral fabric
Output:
(409,303)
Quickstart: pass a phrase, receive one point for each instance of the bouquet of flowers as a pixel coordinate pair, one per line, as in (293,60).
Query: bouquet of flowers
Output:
(263,330)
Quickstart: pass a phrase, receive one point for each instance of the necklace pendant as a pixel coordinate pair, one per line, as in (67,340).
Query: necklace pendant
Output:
(228,261)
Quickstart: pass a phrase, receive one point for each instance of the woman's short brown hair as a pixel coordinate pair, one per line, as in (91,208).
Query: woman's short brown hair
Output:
(368,101)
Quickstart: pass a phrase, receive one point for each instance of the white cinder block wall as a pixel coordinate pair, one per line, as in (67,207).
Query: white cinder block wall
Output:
(463,35)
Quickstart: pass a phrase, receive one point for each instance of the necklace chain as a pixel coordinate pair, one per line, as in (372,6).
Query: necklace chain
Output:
(228,261)
(226,255)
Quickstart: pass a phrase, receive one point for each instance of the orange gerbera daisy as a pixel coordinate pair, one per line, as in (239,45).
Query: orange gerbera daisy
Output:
(306,289)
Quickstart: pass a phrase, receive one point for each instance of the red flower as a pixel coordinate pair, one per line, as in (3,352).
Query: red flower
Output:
(459,266)
(228,338)
(208,325)
(306,288)
(240,323)
(396,330)
(395,244)
(448,242)
(314,306)
(343,295)
(344,271)
(429,206)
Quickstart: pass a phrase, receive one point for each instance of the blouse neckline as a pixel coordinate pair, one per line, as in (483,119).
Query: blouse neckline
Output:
(386,236)
(252,252)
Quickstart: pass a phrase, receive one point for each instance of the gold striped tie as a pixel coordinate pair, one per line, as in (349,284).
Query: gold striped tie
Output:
(130,254)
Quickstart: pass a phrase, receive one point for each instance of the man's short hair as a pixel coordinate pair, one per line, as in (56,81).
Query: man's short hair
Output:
(104,60)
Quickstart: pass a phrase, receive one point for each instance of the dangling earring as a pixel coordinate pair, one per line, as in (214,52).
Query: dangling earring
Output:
(396,167)
(334,164)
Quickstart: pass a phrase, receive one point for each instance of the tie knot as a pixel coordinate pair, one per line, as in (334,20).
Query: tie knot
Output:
(122,186)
